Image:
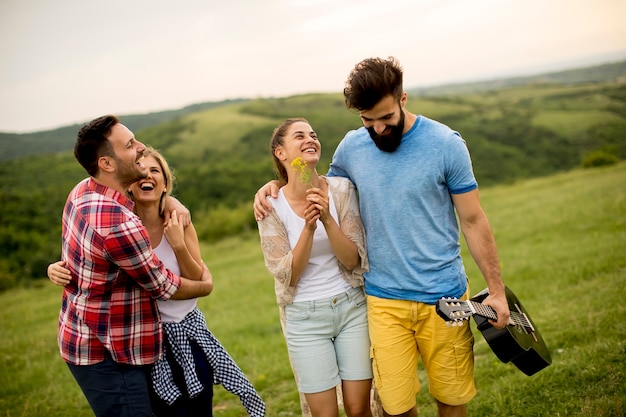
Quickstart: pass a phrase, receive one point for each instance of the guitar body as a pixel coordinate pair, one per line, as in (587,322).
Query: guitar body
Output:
(519,343)
(513,344)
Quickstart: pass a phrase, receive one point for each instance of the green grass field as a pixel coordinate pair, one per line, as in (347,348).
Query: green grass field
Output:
(562,243)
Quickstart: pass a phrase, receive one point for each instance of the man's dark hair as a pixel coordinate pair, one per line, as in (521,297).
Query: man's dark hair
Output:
(371,80)
(92,142)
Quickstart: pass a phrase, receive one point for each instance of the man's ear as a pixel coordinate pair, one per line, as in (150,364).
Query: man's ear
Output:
(106,164)
(403,99)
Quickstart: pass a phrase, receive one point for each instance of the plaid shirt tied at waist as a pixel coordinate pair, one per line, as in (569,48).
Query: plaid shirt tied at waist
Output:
(226,372)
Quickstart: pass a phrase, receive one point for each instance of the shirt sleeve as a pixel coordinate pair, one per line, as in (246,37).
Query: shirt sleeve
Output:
(128,247)
(458,167)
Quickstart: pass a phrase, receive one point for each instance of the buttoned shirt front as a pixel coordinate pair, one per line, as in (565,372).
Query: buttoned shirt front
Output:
(110,304)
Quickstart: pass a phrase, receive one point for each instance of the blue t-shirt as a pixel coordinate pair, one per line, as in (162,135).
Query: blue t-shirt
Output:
(410,223)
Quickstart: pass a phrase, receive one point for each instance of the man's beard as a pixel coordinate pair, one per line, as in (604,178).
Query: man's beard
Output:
(391,138)
(128,174)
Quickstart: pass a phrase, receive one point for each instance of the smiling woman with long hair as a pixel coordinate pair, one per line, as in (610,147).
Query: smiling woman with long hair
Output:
(313,244)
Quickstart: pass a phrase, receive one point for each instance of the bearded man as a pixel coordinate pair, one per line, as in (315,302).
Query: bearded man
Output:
(412,173)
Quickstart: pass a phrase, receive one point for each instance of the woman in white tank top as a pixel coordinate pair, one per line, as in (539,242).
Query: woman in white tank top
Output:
(313,243)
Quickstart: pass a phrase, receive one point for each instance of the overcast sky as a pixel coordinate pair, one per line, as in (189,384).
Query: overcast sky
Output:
(68,61)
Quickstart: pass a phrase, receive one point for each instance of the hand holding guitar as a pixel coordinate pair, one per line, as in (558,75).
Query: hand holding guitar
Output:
(499,304)
(519,342)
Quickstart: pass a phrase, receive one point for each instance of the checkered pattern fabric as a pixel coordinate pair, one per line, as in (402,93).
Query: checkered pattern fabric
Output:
(109,305)
(226,372)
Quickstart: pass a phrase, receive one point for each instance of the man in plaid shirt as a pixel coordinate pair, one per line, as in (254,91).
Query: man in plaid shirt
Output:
(109,324)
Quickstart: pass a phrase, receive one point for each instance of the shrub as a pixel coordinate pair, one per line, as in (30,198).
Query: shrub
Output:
(220,222)
(599,157)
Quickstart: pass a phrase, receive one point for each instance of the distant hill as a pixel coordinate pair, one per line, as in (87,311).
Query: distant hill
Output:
(515,129)
(220,154)
(16,145)
(610,72)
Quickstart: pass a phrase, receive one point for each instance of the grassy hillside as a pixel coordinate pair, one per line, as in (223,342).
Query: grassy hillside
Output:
(19,145)
(610,72)
(512,134)
(561,241)
(14,145)
(220,155)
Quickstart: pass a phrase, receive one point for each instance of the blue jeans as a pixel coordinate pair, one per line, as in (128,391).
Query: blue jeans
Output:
(114,389)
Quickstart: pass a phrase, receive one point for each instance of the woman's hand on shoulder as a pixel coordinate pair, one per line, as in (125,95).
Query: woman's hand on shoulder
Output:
(261,206)
(175,231)
(58,274)
(172,205)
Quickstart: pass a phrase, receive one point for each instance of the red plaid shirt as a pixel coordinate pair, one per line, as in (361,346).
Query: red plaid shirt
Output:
(116,277)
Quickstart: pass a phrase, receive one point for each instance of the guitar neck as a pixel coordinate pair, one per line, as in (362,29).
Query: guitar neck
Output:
(489,313)
(518,342)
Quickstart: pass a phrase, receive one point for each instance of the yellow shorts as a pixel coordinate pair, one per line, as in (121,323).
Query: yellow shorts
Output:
(400,332)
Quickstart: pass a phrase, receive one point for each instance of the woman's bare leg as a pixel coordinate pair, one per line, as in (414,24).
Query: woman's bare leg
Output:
(323,404)
(356,398)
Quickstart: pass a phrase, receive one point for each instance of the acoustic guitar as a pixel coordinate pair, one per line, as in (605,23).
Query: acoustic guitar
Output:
(519,342)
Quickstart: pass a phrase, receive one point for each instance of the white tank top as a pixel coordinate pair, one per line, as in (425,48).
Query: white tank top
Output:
(322,277)
(172,310)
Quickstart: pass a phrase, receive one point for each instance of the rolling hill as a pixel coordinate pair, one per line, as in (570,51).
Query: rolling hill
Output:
(17,145)
(220,152)
(14,145)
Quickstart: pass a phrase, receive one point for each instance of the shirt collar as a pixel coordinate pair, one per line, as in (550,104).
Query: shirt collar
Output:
(93,185)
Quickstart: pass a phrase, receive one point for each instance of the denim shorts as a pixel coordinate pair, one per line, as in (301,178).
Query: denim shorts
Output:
(328,341)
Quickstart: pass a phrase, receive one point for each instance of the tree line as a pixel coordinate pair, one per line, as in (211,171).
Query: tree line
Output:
(512,134)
